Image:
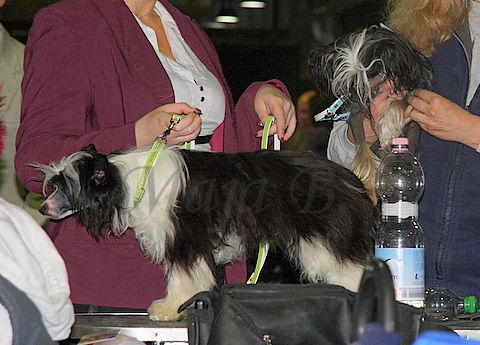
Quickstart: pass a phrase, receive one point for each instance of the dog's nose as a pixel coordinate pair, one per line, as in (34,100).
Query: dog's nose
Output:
(44,210)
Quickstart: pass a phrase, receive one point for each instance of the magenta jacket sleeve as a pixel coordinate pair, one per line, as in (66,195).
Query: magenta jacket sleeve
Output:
(58,113)
(240,131)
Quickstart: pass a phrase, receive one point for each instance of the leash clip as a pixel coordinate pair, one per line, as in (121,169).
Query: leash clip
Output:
(331,112)
(173,122)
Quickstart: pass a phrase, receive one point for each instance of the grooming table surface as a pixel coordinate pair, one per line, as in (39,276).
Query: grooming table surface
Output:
(468,329)
(136,325)
(139,326)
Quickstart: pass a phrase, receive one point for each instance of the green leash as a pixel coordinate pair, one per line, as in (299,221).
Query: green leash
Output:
(158,145)
(263,247)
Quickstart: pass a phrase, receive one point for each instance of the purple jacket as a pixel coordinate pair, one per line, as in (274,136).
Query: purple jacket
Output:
(90,73)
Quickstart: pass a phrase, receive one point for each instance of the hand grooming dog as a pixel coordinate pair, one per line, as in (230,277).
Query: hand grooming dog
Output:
(372,68)
(201,209)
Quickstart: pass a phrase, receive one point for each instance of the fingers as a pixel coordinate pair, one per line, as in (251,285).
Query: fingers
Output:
(186,129)
(288,132)
(271,100)
(154,124)
(280,123)
(178,108)
(292,124)
(417,109)
(181,138)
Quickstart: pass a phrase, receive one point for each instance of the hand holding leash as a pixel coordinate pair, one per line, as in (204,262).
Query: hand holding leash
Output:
(152,125)
(271,100)
(158,145)
(174,120)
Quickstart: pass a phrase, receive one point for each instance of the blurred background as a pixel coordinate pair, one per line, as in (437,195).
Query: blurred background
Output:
(271,38)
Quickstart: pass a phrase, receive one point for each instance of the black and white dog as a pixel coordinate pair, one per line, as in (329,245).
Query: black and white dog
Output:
(201,209)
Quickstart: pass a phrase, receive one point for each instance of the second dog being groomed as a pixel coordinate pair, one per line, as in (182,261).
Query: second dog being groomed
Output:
(371,73)
(201,209)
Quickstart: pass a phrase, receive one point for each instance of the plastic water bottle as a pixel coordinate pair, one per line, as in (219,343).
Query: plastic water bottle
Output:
(442,304)
(399,183)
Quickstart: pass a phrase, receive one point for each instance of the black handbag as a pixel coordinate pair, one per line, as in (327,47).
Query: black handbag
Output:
(299,313)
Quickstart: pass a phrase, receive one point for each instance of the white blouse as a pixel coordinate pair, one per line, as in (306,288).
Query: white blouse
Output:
(192,82)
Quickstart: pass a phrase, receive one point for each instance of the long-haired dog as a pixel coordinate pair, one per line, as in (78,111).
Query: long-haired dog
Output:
(200,209)
(359,67)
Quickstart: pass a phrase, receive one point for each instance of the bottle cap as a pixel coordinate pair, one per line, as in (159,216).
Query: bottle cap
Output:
(400,141)
(470,304)
(399,145)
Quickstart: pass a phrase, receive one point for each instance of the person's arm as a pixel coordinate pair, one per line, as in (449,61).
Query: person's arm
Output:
(58,105)
(443,118)
(57,99)
(248,113)
(240,127)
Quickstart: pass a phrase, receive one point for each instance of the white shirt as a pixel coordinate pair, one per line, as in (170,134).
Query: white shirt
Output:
(192,82)
(30,261)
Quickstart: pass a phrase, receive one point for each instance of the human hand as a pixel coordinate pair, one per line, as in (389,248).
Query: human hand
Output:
(270,100)
(153,124)
(443,118)
(385,105)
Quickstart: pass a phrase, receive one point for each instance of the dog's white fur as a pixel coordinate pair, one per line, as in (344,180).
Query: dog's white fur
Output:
(151,219)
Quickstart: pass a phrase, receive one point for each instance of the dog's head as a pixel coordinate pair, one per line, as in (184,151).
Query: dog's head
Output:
(364,66)
(85,184)
(358,64)
(374,70)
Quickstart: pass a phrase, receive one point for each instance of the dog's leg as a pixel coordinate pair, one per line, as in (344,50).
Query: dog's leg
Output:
(319,265)
(181,286)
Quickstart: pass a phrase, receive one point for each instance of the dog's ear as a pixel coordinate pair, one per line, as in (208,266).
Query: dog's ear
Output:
(320,65)
(100,170)
(99,176)
(90,148)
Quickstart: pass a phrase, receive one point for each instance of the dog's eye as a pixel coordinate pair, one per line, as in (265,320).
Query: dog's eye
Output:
(53,188)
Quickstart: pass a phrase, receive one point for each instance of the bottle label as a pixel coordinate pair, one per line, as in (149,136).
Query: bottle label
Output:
(401,209)
(407,266)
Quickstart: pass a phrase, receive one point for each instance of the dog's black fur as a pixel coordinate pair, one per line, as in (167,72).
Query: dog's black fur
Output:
(226,206)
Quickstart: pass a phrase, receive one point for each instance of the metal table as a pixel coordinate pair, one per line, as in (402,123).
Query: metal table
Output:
(136,325)
(139,326)
(468,329)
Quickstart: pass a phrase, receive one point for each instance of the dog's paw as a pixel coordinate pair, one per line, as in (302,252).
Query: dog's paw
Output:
(162,310)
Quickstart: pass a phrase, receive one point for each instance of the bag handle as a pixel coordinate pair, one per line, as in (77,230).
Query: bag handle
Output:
(376,284)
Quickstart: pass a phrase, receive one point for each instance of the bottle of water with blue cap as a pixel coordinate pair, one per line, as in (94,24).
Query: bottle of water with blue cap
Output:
(399,242)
